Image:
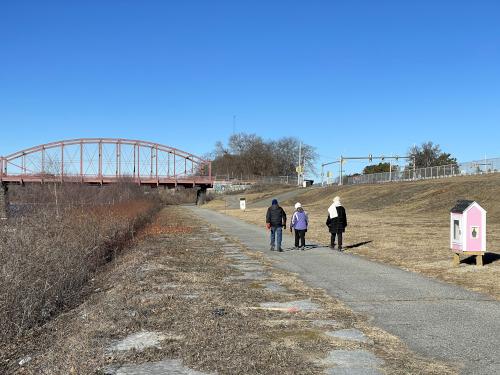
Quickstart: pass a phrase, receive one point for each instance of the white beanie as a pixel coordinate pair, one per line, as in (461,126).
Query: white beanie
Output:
(297,205)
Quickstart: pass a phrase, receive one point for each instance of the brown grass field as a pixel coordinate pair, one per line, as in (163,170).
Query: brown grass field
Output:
(403,224)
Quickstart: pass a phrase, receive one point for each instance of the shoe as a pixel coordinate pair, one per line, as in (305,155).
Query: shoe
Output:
(340,248)
(303,248)
(280,250)
(332,247)
(272,248)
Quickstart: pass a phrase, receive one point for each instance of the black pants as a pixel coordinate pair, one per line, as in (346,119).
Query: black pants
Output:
(332,242)
(300,235)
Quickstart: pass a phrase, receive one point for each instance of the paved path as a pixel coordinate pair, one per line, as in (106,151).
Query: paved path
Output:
(435,319)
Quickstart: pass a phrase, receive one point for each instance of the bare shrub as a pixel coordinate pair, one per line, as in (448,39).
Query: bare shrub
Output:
(49,253)
(178,196)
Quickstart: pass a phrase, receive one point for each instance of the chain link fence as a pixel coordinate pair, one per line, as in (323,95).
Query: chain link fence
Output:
(281,180)
(409,174)
(226,183)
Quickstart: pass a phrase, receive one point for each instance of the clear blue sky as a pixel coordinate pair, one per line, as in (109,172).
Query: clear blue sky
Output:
(349,77)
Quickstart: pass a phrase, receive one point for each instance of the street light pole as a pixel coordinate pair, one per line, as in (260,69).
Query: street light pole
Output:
(323,168)
(370,157)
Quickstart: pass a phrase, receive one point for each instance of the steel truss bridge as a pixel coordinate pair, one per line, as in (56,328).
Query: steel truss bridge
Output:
(103,161)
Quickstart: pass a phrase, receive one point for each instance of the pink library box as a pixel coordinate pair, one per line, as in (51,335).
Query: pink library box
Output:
(468,230)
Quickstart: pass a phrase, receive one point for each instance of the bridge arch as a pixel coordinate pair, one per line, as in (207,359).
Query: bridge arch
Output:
(106,160)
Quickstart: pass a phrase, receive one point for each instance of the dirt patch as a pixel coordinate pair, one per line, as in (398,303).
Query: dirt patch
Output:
(140,299)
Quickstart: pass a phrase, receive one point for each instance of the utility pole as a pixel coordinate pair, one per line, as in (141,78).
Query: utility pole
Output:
(414,167)
(299,169)
(341,165)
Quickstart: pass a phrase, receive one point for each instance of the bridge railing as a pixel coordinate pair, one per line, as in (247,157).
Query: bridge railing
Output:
(104,158)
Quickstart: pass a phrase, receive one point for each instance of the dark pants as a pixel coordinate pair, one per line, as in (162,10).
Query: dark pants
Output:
(332,242)
(300,235)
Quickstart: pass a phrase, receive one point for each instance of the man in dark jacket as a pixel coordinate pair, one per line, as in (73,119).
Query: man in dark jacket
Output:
(336,222)
(276,222)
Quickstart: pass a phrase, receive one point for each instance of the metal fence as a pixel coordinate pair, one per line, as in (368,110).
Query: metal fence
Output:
(409,174)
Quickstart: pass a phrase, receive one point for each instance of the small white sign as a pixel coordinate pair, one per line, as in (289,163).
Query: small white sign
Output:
(243,204)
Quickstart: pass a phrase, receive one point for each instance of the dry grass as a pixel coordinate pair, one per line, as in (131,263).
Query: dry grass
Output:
(133,294)
(407,225)
(222,202)
(49,253)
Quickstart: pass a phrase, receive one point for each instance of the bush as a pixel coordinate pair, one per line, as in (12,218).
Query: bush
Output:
(50,252)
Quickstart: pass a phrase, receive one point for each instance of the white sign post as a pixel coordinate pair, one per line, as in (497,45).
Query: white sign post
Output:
(243,204)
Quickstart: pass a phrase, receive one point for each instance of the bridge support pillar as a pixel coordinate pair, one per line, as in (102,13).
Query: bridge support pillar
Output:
(4,202)
(201,196)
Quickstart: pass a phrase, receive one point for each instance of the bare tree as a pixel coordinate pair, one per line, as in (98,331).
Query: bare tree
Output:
(251,155)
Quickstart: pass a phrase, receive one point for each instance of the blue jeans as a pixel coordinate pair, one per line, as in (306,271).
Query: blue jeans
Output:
(276,232)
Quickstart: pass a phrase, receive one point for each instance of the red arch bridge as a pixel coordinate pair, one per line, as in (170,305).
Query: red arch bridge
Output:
(101,161)
(105,161)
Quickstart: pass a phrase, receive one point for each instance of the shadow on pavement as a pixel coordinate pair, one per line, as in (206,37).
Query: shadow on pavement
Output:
(308,247)
(316,246)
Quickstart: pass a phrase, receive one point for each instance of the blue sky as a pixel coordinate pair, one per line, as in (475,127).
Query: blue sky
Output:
(349,77)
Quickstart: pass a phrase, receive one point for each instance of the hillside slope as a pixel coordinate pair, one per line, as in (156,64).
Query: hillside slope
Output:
(407,225)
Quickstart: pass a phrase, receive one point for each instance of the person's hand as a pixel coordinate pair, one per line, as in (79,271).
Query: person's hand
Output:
(291,230)
(284,226)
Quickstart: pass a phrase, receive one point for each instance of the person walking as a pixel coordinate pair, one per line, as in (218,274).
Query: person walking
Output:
(299,223)
(336,222)
(276,222)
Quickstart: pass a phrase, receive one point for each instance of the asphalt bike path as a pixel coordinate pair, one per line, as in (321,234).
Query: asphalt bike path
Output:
(435,319)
